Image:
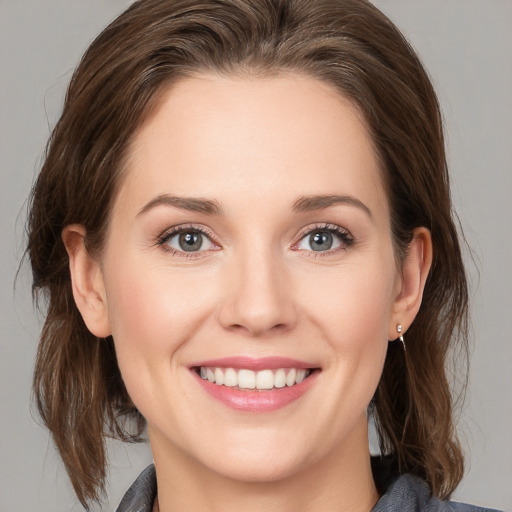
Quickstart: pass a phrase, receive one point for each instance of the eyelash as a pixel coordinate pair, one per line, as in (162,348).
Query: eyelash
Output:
(346,239)
(167,235)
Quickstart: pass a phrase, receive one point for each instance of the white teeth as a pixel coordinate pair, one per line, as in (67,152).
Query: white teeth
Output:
(249,379)
(301,375)
(246,379)
(230,378)
(290,378)
(219,376)
(265,379)
(280,378)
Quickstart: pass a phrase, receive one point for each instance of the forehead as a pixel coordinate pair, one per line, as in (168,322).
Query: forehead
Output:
(218,136)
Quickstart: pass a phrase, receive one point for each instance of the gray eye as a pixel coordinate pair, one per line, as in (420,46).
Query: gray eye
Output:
(320,241)
(190,241)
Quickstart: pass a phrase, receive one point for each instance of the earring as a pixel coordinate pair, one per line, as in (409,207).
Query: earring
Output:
(399,329)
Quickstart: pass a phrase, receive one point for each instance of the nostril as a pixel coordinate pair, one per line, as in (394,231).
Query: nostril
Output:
(258,329)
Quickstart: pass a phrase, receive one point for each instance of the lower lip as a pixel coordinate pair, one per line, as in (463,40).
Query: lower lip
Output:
(256,400)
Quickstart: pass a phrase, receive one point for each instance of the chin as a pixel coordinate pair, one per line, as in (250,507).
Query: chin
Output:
(257,469)
(260,455)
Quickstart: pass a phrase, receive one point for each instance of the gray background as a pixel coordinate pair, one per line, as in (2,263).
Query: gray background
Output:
(467,47)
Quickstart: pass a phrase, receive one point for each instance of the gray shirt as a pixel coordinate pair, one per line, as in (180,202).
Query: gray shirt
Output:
(407,493)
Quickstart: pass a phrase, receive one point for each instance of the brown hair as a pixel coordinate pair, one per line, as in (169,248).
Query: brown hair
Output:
(347,43)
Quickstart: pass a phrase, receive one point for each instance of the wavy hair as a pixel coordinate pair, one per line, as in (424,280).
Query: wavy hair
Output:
(349,44)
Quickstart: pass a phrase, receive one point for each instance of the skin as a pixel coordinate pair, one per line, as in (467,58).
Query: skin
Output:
(253,146)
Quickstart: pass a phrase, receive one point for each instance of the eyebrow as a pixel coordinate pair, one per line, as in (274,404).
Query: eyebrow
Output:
(194,204)
(212,207)
(312,203)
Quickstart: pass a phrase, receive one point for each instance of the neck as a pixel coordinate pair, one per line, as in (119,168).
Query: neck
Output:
(340,481)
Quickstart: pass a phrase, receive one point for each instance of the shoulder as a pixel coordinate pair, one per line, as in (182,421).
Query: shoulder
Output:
(142,493)
(410,493)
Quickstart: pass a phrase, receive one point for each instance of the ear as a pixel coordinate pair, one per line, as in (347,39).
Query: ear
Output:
(414,274)
(86,281)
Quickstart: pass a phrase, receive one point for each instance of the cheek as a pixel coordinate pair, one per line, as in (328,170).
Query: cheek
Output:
(154,303)
(352,308)
(152,313)
(352,303)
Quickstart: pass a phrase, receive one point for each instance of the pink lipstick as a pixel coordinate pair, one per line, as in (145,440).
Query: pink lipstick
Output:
(255,385)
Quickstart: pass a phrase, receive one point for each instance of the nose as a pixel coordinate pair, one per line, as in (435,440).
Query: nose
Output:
(257,298)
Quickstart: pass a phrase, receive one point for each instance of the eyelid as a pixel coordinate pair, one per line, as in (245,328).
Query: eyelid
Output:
(344,235)
(346,238)
(179,228)
(171,232)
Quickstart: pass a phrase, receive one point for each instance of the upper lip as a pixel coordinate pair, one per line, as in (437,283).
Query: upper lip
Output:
(255,364)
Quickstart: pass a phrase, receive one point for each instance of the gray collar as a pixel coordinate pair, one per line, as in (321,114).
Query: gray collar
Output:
(407,493)
(142,493)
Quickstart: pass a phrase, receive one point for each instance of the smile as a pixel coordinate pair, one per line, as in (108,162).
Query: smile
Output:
(245,379)
(258,385)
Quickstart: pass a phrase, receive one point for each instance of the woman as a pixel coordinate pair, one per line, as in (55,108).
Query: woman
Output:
(242,203)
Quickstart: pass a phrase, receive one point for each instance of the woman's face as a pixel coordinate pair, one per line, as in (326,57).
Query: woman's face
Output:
(250,246)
